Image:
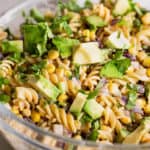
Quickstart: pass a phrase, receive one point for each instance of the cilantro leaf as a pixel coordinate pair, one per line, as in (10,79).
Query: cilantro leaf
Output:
(93,135)
(115,68)
(70,5)
(88,4)
(3,81)
(94,93)
(77,71)
(59,24)
(36,37)
(86,118)
(36,68)
(37,15)
(4,98)
(16,57)
(118,54)
(65,45)
(132,96)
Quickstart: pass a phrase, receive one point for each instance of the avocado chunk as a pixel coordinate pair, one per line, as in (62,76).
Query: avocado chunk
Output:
(89,53)
(12,46)
(44,86)
(121,7)
(148,92)
(117,40)
(62,86)
(78,103)
(93,109)
(95,21)
(137,134)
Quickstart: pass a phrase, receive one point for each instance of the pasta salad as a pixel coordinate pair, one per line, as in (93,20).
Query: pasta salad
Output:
(82,72)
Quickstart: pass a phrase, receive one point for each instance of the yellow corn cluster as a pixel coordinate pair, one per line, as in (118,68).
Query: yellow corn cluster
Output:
(89,35)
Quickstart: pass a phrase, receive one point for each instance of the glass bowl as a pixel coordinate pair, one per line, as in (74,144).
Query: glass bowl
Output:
(23,135)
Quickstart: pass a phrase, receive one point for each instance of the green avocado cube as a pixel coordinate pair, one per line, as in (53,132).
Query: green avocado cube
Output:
(122,7)
(12,46)
(95,21)
(93,109)
(45,87)
(78,103)
(117,40)
(90,53)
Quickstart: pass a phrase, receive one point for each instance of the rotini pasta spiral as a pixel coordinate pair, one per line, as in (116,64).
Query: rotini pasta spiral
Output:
(28,94)
(64,118)
(93,77)
(3,35)
(6,68)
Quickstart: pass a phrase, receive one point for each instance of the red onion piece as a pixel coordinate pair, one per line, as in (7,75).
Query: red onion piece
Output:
(137,109)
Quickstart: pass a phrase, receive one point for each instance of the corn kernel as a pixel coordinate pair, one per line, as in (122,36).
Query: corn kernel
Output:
(54,78)
(60,72)
(92,35)
(146,62)
(77,137)
(146,138)
(68,73)
(137,116)
(146,19)
(126,120)
(148,72)
(147,109)
(15,110)
(141,55)
(53,54)
(86,33)
(104,127)
(62,98)
(133,51)
(35,116)
(51,68)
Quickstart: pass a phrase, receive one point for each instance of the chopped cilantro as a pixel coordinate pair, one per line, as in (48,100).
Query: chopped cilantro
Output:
(70,5)
(86,118)
(132,96)
(60,23)
(147,91)
(16,57)
(93,135)
(3,81)
(96,124)
(94,93)
(115,68)
(37,15)
(77,71)
(36,37)
(118,55)
(36,68)
(65,45)
(88,4)
(4,98)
